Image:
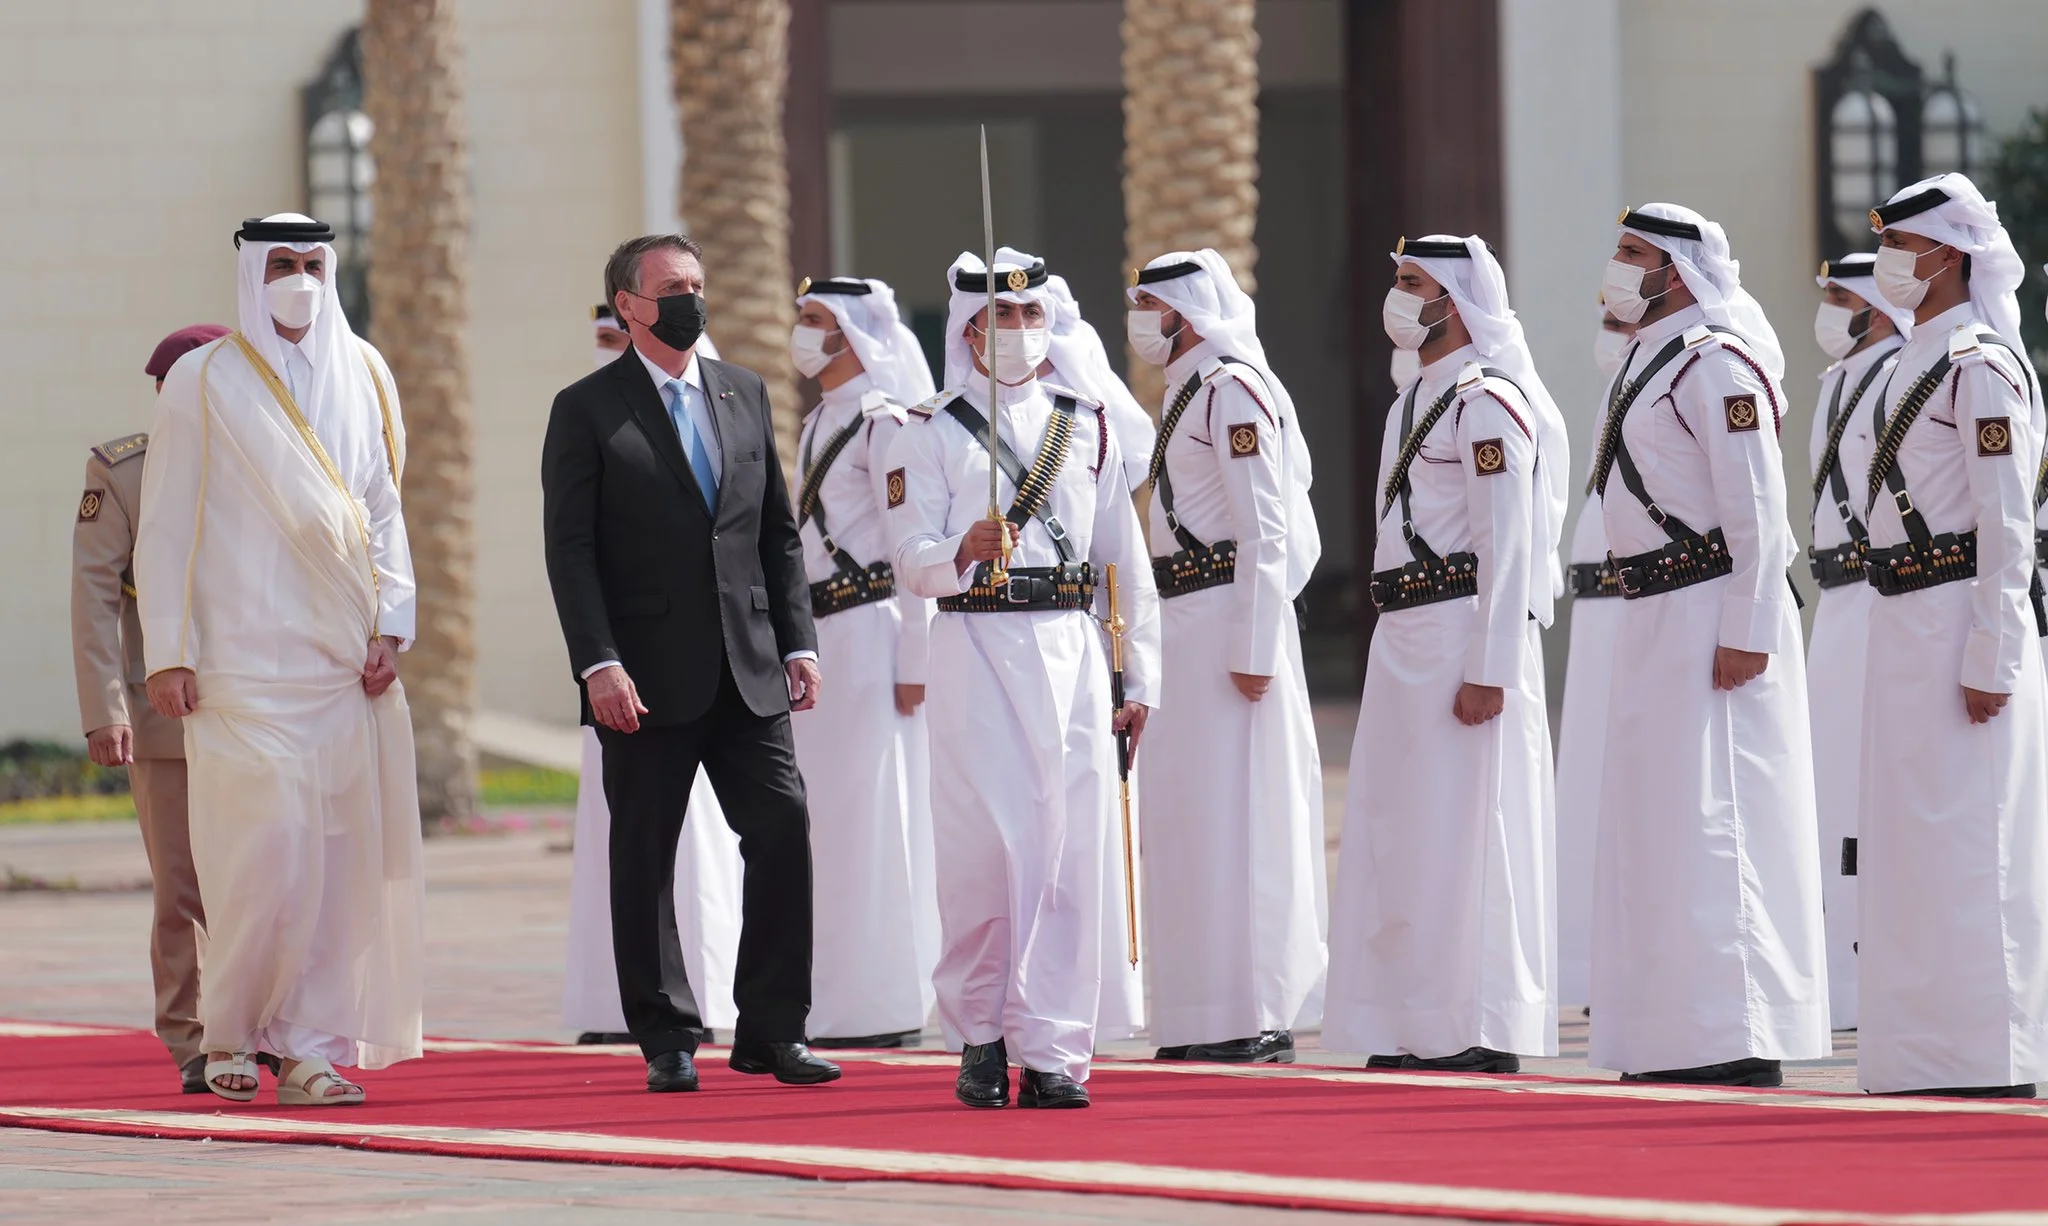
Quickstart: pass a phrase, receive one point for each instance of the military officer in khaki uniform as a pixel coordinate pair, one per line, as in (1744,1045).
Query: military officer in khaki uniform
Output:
(121,730)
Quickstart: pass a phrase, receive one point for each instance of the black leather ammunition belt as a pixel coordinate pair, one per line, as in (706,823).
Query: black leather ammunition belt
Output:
(1195,570)
(1031,589)
(1910,567)
(1837,567)
(852,589)
(2040,551)
(1679,564)
(1429,581)
(1594,580)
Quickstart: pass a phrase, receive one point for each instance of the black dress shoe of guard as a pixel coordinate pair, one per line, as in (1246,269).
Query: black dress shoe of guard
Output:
(1384,1061)
(984,1079)
(1172,1053)
(2020,1091)
(1748,1072)
(900,1038)
(671,1072)
(192,1076)
(601,1038)
(1050,1090)
(1471,1060)
(792,1064)
(1269,1047)
(272,1062)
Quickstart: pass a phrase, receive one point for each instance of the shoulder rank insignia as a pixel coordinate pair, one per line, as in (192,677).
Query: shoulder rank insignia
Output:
(876,403)
(1994,436)
(1470,377)
(114,451)
(89,506)
(898,487)
(1244,440)
(1741,410)
(923,409)
(1488,457)
(1697,336)
(1085,402)
(1963,342)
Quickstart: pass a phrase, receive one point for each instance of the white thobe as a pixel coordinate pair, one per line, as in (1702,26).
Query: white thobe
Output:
(1581,742)
(1023,764)
(1233,838)
(1707,941)
(271,549)
(1442,932)
(1952,863)
(1834,667)
(866,767)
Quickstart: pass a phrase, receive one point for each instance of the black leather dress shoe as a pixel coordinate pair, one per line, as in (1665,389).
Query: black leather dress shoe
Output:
(1172,1053)
(601,1038)
(984,1079)
(901,1038)
(671,1072)
(1749,1072)
(1270,1047)
(792,1064)
(1471,1060)
(1384,1062)
(192,1076)
(2021,1091)
(1050,1090)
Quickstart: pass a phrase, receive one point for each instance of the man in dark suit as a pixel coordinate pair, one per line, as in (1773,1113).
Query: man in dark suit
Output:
(679,580)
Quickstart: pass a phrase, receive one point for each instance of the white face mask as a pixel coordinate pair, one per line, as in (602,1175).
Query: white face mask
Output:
(1401,314)
(1147,340)
(1406,367)
(807,350)
(1831,330)
(1608,346)
(1622,290)
(294,301)
(1895,279)
(1019,352)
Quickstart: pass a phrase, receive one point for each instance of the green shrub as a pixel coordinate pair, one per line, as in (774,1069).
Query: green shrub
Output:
(33,770)
(2018,180)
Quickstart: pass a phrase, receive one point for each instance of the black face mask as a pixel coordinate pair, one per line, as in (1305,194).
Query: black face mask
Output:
(681,320)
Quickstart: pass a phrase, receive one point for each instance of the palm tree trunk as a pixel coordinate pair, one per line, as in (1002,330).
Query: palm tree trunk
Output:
(1191,137)
(730,63)
(419,281)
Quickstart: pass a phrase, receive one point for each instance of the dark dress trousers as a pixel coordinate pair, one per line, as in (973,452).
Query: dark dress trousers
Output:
(699,606)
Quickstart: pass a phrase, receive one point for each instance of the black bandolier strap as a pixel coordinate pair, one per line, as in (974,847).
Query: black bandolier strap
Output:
(1031,589)
(1428,579)
(1594,580)
(1691,557)
(1195,566)
(1842,564)
(1926,559)
(852,584)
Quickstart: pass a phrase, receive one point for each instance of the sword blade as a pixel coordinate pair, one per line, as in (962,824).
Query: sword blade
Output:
(988,332)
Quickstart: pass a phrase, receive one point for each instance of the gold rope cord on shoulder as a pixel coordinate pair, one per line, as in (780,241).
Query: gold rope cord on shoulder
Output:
(284,400)
(384,410)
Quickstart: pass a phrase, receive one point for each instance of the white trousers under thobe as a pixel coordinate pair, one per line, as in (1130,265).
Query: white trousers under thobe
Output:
(1233,839)
(1834,696)
(866,771)
(1023,786)
(1952,863)
(707,900)
(1581,742)
(1442,929)
(1707,941)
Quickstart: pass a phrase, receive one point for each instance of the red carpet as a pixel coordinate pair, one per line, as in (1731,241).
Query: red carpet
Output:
(1524,1149)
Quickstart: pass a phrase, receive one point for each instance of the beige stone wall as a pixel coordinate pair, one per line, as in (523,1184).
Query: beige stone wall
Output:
(135,135)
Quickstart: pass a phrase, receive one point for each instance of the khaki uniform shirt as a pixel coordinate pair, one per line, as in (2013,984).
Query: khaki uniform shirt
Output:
(106,635)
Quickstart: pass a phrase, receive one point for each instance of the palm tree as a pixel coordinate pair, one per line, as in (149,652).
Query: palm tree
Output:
(419,280)
(730,61)
(1191,137)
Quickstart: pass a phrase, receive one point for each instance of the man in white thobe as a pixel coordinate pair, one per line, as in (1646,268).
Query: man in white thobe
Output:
(1952,860)
(862,749)
(276,591)
(699,920)
(1860,332)
(1023,768)
(1582,716)
(1707,954)
(1443,929)
(1233,846)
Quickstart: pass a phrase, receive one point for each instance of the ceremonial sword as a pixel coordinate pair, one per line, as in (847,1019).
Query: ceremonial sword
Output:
(999,573)
(1115,626)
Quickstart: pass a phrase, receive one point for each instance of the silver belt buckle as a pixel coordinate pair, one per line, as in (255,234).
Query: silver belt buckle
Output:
(1018,589)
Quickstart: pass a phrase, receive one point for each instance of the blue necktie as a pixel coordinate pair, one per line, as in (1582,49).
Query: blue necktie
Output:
(693,442)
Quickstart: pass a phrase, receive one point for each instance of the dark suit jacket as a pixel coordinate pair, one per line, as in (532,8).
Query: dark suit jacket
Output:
(643,573)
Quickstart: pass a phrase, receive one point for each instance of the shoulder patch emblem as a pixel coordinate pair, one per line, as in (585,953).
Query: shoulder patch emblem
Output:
(898,487)
(1742,413)
(1244,441)
(1488,457)
(1994,436)
(89,506)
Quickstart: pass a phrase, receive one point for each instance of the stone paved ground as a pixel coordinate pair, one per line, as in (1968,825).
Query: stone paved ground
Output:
(497,913)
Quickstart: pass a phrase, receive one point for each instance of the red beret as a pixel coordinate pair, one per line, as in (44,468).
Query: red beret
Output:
(177,345)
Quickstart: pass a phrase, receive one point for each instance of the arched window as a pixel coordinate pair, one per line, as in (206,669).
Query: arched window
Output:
(1867,137)
(1863,137)
(340,170)
(1951,127)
